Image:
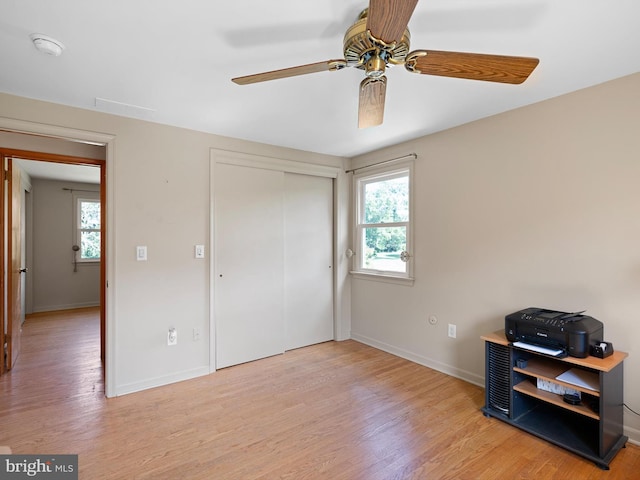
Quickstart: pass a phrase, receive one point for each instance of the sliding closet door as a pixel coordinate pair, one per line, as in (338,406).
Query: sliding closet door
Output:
(249,264)
(308,220)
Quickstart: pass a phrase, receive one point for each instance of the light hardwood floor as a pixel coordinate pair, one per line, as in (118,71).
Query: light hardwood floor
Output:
(338,410)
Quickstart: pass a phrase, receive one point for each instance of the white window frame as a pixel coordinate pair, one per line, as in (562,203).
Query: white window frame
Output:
(360,180)
(76,226)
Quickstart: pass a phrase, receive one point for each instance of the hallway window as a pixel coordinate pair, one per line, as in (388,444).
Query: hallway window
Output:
(88,228)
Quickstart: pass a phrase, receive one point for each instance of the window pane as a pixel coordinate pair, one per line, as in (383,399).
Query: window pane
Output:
(382,248)
(90,215)
(387,201)
(90,245)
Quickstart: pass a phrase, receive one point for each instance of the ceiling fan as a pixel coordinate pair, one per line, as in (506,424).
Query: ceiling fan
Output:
(380,38)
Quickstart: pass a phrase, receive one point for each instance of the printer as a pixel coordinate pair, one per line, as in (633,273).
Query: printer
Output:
(571,333)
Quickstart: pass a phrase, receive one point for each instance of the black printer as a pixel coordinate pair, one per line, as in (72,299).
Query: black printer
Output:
(573,333)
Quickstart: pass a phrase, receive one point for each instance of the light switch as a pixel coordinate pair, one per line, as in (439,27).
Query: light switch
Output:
(141,253)
(199,251)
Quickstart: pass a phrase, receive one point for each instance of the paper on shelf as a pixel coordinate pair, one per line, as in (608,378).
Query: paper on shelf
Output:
(537,348)
(581,378)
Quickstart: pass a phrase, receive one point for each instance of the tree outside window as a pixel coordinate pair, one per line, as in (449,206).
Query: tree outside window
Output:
(383,222)
(88,223)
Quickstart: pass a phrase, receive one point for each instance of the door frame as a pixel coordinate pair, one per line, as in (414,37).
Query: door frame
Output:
(69,160)
(107,296)
(12,231)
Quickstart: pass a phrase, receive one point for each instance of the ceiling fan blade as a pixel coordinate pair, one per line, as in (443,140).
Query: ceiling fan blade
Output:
(372,95)
(388,19)
(329,65)
(472,66)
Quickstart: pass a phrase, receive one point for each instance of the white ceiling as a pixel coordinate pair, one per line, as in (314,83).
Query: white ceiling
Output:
(60,171)
(172,62)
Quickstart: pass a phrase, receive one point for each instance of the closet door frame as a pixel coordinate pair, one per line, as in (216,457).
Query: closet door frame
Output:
(267,163)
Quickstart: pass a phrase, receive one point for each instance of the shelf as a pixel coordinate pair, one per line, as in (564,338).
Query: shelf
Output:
(601,364)
(530,389)
(566,431)
(549,369)
(593,429)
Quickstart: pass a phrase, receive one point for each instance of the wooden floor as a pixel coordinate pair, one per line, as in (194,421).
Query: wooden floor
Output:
(335,410)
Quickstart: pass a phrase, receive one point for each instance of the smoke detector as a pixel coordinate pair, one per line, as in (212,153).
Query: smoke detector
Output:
(47,45)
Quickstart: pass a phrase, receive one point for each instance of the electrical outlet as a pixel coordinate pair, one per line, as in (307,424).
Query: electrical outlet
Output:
(452,330)
(172,337)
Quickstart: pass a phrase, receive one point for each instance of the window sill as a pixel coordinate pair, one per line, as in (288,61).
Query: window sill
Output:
(379,277)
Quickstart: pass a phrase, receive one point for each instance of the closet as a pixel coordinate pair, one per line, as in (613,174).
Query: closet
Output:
(273,257)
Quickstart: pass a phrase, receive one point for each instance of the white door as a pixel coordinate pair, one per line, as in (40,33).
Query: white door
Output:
(308,220)
(249,264)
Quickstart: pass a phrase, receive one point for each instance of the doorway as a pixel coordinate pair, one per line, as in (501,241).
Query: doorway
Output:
(25,167)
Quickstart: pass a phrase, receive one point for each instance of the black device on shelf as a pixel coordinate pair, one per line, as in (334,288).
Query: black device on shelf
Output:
(602,349)
(572,333)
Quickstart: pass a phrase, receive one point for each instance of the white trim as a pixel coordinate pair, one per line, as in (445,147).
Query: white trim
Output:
(161,381)
(370,175)
(341,241)
(108,141)
(381,277)
(271,163)
(63,133)
(421,360)
(212,263)
(68,306)
(633,434)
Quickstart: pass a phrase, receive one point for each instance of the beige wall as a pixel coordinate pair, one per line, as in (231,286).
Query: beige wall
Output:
(54,284)
(159,193)
(535,207)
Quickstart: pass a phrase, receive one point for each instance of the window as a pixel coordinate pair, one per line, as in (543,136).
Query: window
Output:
(88,229)
(383,222)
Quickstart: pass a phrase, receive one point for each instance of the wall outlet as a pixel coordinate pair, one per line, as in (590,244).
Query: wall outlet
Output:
(172,336)
(452,330)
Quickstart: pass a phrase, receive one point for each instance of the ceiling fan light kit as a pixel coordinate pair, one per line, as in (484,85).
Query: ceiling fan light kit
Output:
(379,38)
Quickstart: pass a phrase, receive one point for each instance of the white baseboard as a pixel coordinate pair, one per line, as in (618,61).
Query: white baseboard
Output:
(160,381)
(421,360)
(68,306)
(633,434)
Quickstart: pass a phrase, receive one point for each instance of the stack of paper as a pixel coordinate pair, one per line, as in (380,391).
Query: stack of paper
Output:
(581,378)
(538,348)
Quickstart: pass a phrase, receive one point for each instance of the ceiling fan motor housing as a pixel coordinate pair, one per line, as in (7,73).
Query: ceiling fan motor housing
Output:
(361,50)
